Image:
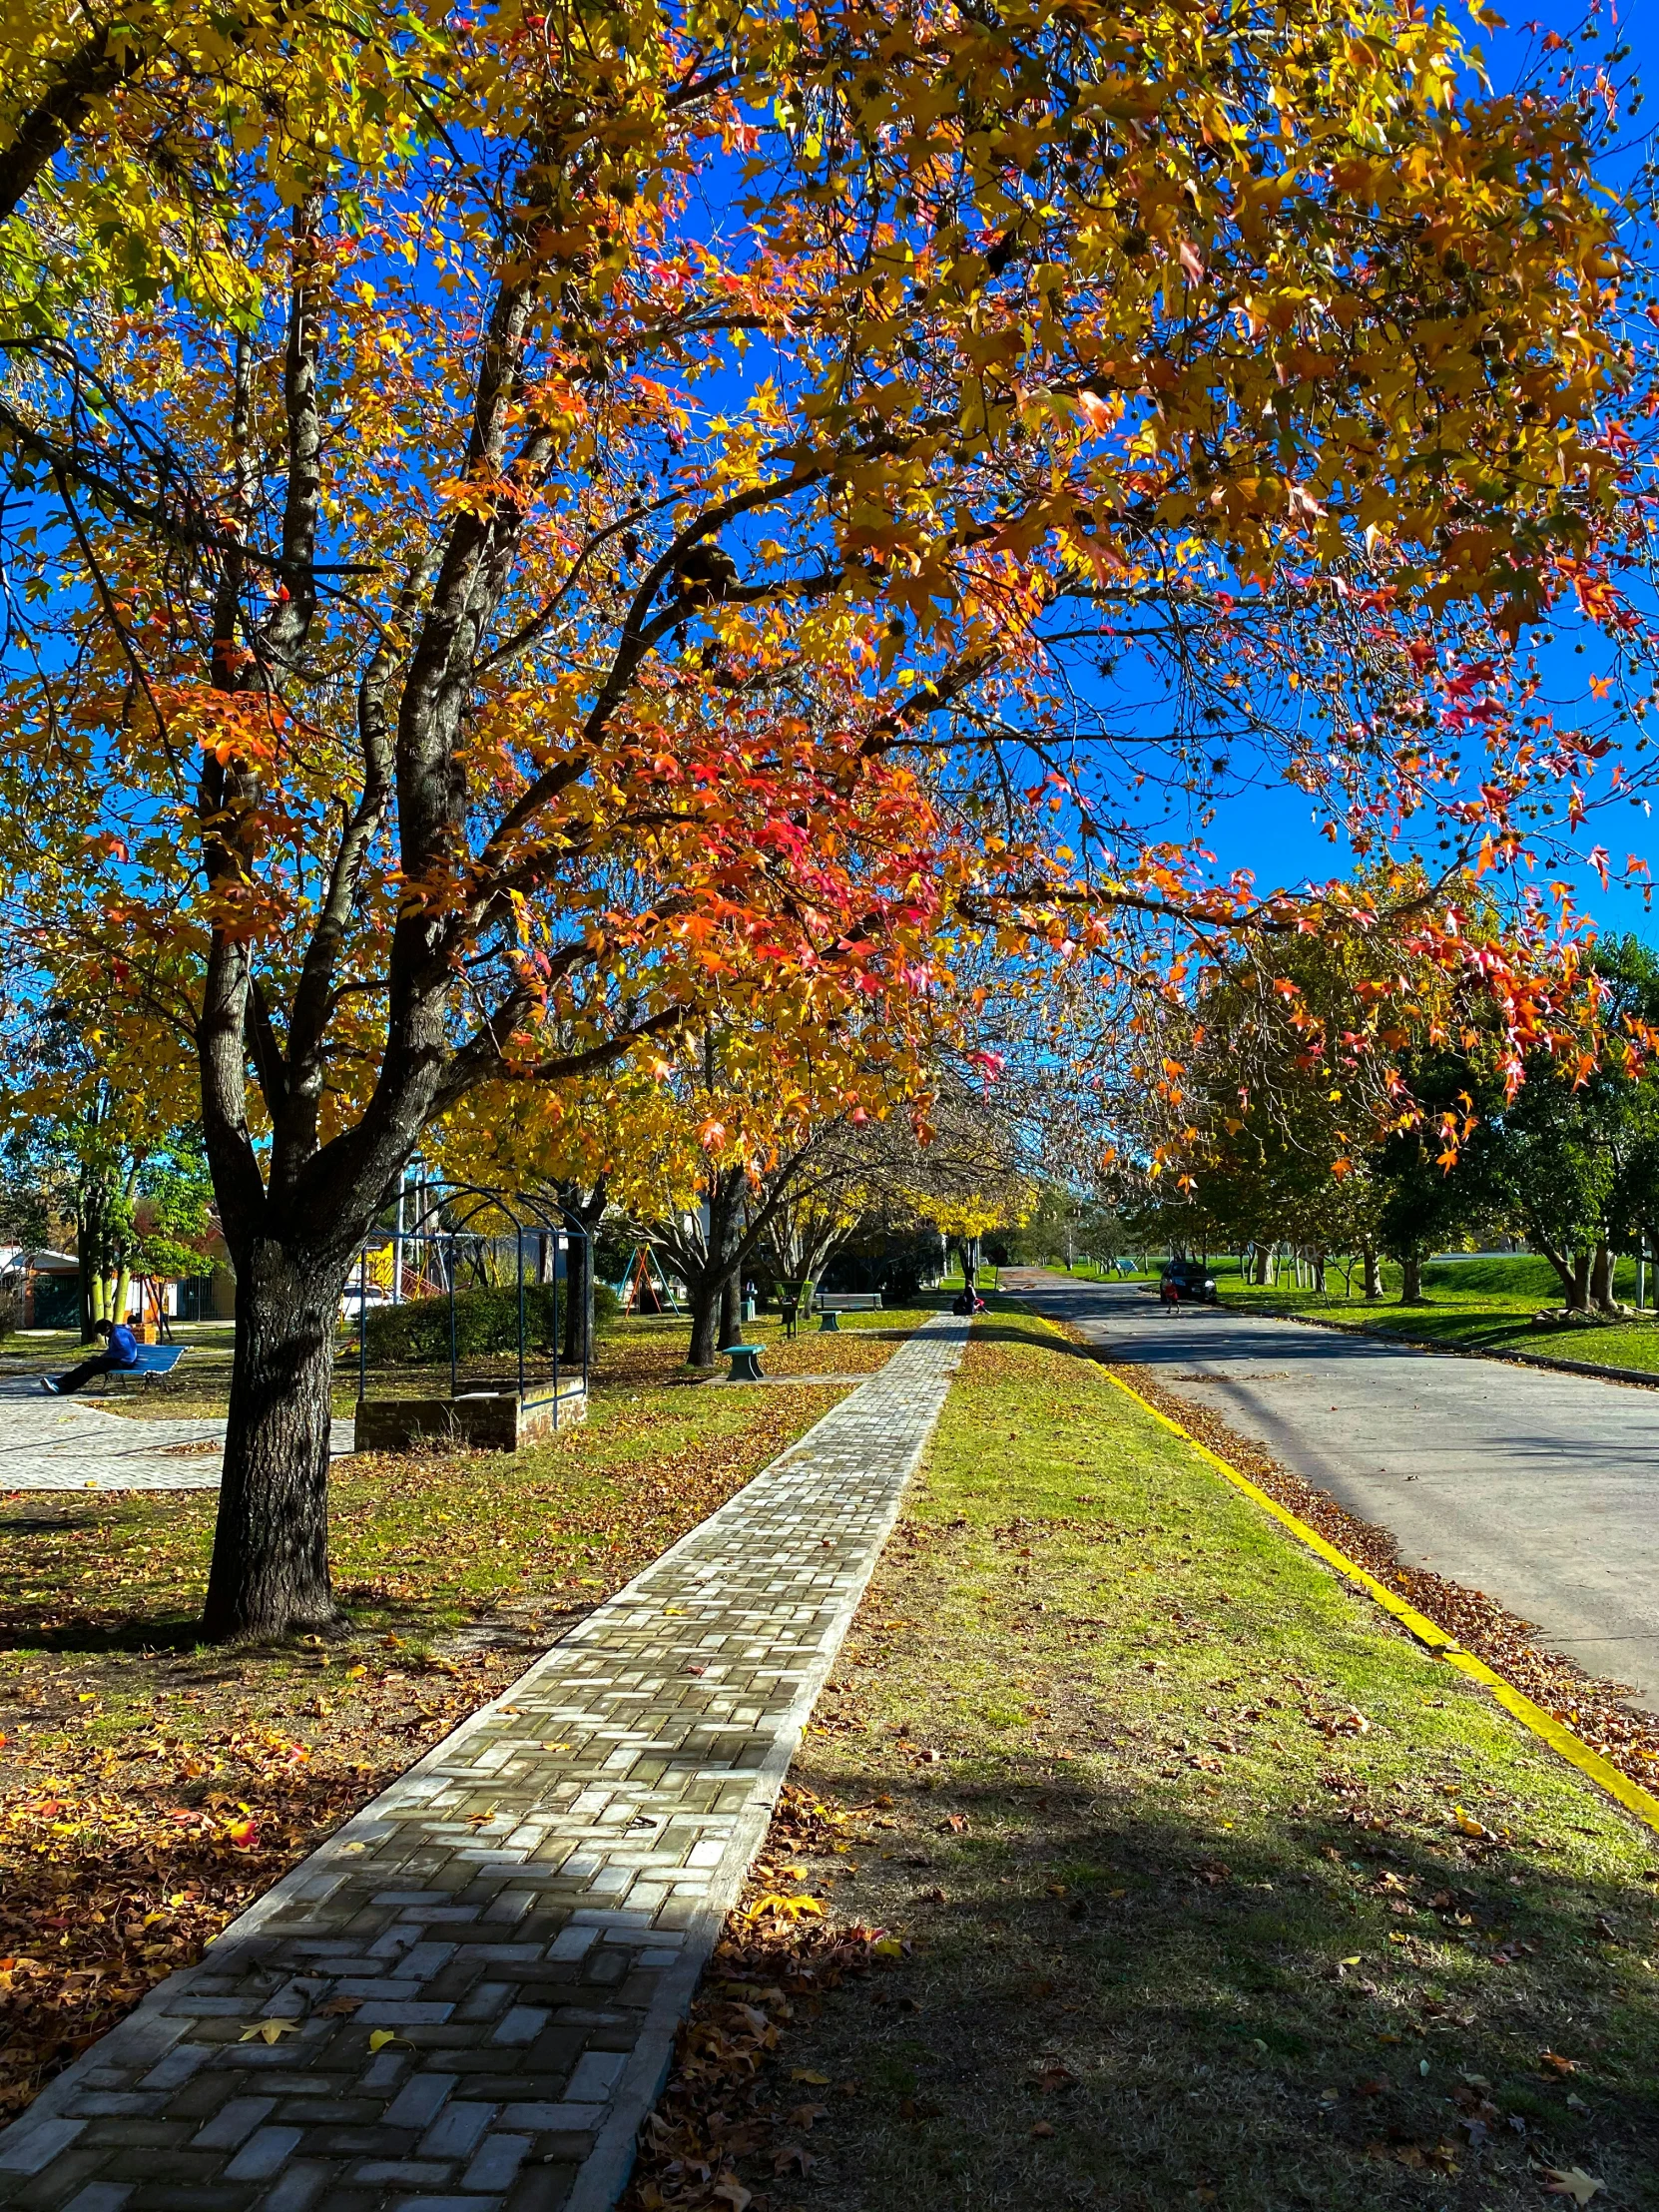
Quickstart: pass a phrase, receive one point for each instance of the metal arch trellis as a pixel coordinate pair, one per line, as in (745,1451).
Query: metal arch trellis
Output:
(462,1204)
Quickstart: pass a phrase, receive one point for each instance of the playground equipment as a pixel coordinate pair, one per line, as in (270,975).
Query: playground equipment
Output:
(463,1219)
(643,1277)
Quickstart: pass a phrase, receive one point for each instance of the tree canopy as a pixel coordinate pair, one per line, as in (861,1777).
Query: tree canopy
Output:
(532,531)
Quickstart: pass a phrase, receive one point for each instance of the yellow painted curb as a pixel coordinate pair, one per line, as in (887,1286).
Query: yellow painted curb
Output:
(1543,1724)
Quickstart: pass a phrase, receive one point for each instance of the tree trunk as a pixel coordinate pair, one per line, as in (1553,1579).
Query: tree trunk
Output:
(1410,1289)
(1601,1279)
(1373,1273)
(1259,1274)
(1578,1294)
(1564,1274)
(730,1301)
(703,1296)
(577,1294)
(269,1574)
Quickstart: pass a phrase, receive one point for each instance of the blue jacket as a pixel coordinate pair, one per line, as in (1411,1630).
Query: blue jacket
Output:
(124,1345)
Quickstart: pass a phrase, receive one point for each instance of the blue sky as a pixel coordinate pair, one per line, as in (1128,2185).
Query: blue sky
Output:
(1270,830)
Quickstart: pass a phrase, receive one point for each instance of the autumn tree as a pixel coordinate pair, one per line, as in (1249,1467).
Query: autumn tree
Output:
(478,618)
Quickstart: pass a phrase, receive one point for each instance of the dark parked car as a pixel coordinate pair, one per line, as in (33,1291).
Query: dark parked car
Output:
(1190,1280)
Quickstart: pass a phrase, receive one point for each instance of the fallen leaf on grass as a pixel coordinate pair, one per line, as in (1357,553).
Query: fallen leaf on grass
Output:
(887,1946)
(731,2191)
(1574,2183)
(1556,2063)
(807,2074)
(267,2032)
(784,1908)
(1042,2128)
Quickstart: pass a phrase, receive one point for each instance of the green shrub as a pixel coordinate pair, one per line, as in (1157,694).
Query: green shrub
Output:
(416,1334)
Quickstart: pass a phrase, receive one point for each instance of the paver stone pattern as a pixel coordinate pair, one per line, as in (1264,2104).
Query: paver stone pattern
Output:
(518,1923)
(69,1444)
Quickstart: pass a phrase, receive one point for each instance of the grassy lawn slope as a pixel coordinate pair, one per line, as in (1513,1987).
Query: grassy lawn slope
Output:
(1207,1887)
(1480,1304)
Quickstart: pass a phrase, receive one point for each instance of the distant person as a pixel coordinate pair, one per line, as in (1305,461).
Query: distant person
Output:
(121,1350)
(1169,1295)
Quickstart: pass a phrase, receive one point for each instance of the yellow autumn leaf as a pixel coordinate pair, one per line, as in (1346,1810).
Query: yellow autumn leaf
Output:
(267,2032)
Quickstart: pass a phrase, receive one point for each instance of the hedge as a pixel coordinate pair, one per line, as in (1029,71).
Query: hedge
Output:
(417,1332)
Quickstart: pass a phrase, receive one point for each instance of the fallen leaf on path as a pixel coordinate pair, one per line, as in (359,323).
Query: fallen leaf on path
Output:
(338,2008)
(267,2032)
(382,2036)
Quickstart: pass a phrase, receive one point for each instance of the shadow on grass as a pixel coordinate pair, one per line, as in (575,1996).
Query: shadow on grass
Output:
(1360,2008)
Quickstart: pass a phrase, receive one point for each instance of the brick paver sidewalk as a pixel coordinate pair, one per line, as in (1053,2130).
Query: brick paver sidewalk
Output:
(527,1909)
(67,1443)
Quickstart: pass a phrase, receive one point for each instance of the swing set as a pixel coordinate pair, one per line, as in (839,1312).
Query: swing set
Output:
(643,1278)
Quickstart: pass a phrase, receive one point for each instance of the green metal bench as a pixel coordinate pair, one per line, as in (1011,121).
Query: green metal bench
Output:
(745,1363)
(833,1304)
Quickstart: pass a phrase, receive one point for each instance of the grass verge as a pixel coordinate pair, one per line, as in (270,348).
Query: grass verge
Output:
(1475,1305)
(1195,1882)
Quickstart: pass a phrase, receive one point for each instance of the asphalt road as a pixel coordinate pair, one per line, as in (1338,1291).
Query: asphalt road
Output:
(1540,1489)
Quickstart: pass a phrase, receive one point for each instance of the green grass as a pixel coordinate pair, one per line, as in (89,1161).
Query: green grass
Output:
(635,1351)
(1481,1304)
(1193,1917)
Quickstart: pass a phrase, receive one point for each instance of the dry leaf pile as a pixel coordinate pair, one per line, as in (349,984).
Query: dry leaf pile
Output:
(732,2124)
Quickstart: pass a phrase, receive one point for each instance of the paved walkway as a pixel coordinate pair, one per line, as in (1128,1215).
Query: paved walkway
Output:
(71,1444)
(527,1909)
(1538,1488)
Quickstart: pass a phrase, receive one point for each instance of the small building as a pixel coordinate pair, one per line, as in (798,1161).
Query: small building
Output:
(50,1286)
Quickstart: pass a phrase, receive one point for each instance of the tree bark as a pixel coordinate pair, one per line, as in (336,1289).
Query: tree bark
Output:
(589,1212)
(1373,1273)
(1601,1279)
(731,1302)
(269,1574)
(704,1299)
(1566,1274)
(1410,1289)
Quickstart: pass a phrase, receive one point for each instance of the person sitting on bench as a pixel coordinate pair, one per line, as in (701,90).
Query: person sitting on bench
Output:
(121,1350)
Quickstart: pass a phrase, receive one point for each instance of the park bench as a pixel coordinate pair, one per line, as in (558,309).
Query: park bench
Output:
(830,1303)
(745,1363)
(151,1360)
